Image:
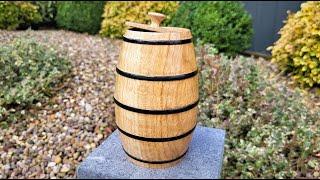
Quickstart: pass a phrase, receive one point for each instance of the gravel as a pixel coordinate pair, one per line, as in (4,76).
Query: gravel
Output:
(57,135)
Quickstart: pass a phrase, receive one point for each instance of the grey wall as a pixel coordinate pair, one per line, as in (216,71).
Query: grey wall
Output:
(268,17)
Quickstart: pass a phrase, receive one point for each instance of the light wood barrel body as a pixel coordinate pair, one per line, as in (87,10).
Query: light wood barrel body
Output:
(156,96)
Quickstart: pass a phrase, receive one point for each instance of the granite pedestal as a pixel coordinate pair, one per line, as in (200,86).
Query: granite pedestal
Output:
(203,160)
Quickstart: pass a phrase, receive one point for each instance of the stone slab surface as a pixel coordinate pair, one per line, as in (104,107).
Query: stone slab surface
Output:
(203,160)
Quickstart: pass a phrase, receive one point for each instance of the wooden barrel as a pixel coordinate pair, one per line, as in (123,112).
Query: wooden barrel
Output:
(156,95)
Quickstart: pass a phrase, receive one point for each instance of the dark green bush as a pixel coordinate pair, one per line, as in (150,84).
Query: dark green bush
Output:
(81,16)
(48,11)
(271,130)
(15,14)
(28,73)
(226,24)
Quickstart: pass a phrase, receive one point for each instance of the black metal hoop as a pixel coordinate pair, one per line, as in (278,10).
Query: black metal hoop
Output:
(156,112)
(157,78)
(158,42)
(155,162)
(157,139)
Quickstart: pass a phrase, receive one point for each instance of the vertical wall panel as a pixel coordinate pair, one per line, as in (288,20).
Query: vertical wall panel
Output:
(268,17)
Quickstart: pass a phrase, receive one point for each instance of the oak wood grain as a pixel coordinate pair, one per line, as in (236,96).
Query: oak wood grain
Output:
(156,60)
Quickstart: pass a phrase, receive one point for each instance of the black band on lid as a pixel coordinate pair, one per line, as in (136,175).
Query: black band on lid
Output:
(157,42)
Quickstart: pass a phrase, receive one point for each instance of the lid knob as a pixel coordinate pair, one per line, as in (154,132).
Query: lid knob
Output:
(156,18)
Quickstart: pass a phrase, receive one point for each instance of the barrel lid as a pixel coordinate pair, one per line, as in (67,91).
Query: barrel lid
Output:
(154,32)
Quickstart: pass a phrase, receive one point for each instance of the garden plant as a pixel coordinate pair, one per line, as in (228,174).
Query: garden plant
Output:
(28,72)
(80,16)
(298,50)
(270,132)
(48,11)
(225,24)
(117,13)
(18,14)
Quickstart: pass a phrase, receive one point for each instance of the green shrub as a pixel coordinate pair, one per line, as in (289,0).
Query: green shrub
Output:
(48,11)
(270,131)
(298,49)
(226,24)
(15,14)
(81,16)
(117,13)
(28,73)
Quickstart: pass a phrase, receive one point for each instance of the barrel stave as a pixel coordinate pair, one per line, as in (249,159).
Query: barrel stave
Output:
(156,96)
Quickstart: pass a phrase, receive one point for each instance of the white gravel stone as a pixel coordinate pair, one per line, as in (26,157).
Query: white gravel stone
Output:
(51,164)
